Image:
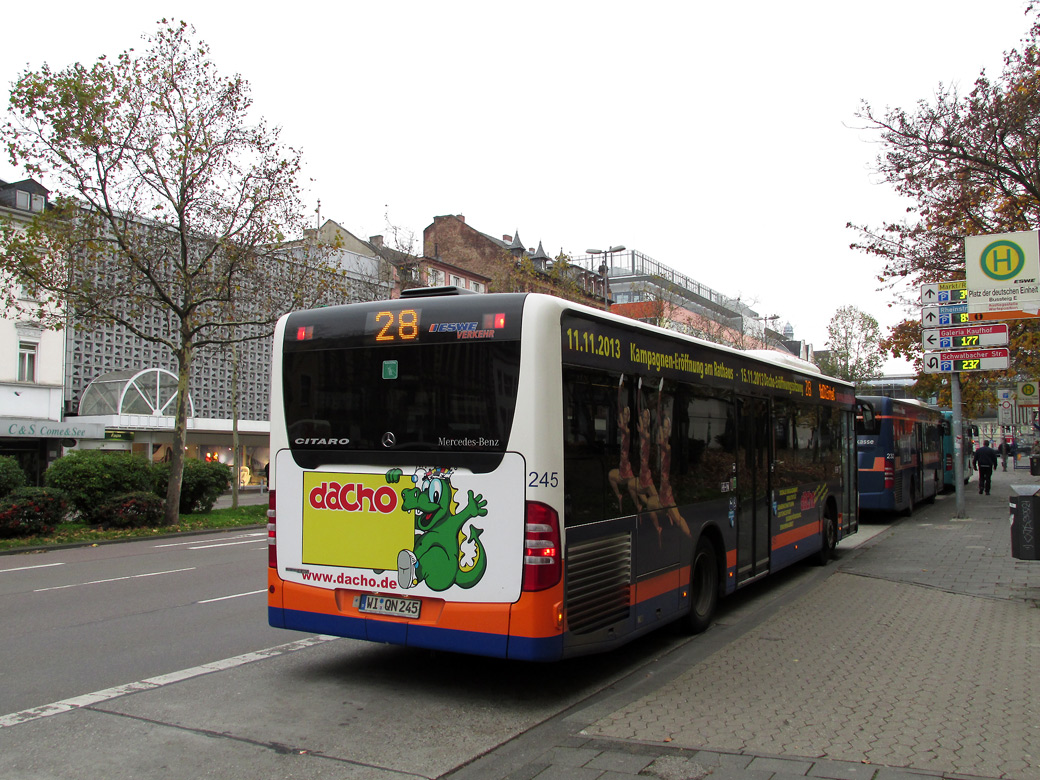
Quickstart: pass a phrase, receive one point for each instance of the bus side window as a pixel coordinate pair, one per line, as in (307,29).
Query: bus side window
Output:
(865,420)
(797,440)
(591,443)
(702,457)
(831,441)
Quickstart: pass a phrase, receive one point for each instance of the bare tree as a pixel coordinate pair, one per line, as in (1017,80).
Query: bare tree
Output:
(853,351)
(173,208)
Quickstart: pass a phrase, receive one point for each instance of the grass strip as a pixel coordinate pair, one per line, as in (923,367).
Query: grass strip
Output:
(78,533)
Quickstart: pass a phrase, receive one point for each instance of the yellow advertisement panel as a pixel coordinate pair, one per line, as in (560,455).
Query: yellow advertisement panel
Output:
(354,520)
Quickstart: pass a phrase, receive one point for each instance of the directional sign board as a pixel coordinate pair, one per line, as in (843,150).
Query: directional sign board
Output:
(967,360)
(940,316)
(939,293)
(934,317)
(967,336)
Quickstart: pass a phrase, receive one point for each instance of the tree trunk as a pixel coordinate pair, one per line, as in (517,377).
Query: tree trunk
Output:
(180,435)
(236,460)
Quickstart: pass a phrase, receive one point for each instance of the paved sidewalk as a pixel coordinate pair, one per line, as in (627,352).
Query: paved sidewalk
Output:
(917,653)
(246,497)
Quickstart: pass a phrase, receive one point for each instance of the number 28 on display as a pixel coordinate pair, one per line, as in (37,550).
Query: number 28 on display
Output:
(396,326)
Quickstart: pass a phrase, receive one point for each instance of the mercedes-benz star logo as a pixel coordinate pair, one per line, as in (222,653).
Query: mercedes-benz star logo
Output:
(389,440)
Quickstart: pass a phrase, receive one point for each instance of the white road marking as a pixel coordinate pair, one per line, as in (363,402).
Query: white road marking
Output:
(235,596)
(114,579)
(229,544)
(88,699)
(27,568)
(195,541)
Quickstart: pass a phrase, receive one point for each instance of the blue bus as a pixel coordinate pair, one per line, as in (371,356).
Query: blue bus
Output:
(899,446)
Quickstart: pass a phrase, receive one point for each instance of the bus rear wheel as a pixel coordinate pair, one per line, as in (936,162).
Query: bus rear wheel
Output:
(704,586)
(908,510)
(829,533)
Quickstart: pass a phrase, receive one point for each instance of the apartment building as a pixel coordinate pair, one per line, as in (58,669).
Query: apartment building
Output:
(32,361)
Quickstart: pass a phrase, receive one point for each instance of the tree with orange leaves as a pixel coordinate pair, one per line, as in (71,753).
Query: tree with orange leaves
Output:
(970,166)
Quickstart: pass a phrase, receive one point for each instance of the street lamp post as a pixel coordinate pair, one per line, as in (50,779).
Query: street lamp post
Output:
(605,269)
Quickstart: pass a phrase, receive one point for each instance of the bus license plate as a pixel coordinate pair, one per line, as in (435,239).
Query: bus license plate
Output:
(387,605)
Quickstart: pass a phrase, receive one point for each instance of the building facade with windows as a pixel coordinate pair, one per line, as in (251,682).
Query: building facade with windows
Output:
(32,362)
(626,281)
(125,386)
(506,264)
(99,385)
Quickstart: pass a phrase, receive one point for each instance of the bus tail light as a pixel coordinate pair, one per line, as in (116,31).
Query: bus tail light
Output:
(543,558)
(890,472)
(272,538)
(949,462)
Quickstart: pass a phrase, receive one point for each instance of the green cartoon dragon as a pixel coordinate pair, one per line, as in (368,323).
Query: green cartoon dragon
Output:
(443,555)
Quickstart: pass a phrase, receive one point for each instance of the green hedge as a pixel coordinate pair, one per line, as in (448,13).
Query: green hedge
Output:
(31,511)
(142,509)
(97,484)
(11,475)
(89,477)
(202,485)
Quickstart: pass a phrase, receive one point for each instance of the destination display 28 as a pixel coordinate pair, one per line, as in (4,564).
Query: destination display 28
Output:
(403,322)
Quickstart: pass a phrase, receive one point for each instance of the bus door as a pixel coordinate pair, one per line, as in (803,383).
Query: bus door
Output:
(919,446)
(850,481)
(754,444)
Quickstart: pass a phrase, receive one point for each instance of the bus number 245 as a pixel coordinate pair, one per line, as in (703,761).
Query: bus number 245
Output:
(544,479)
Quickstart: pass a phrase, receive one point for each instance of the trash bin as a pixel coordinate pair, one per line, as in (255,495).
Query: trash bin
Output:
(1034,465)
(1025,513)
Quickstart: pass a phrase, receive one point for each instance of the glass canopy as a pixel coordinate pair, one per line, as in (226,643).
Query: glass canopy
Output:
(151,392)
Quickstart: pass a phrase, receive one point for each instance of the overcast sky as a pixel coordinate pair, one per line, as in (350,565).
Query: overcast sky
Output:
(717,138)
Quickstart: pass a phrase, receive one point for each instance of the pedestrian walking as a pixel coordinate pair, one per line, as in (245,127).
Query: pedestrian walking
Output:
(985,460)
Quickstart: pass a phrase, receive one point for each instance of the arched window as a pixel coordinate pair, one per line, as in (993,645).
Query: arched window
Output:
(151,392)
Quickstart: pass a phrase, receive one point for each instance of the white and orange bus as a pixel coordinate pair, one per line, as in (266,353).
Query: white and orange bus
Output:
(519,476)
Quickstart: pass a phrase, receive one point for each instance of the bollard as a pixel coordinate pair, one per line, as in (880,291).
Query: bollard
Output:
(1025,507)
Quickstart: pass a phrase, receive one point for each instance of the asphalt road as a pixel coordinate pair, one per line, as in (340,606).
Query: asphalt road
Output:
(153,659)
(149,642)
(83,619)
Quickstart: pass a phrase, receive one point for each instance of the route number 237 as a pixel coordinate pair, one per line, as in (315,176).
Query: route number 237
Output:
(544,479)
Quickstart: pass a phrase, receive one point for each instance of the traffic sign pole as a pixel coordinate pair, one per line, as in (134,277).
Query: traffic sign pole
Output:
(948,324)
(958,443)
